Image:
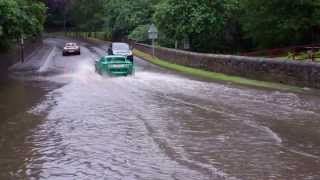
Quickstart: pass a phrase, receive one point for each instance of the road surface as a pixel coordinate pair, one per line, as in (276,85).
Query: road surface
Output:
(60,120)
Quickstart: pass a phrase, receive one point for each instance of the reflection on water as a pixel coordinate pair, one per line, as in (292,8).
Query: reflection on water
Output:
(153,125)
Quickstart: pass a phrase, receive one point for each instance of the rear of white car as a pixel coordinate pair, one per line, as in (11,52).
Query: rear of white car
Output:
(121,49)
(71,48)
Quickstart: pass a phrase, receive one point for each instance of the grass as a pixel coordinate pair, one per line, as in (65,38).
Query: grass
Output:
(304,56)
(216,76)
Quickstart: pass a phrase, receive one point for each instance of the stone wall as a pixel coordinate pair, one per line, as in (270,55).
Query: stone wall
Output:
(303,74)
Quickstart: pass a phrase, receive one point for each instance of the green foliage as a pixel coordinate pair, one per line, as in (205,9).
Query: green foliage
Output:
(21,17)
(123,16)
(303,56)
(115,17)
(201,21)
(274,23)
(209,25)
(140,33)
(87,16)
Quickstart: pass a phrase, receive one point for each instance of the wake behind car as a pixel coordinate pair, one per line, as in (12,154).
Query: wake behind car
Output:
(71,48)
(114,65)
(122,49)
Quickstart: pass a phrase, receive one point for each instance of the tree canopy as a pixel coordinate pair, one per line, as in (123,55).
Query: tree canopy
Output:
(20,18)
(209,25)
(277,23)
(201,21)
(123,16)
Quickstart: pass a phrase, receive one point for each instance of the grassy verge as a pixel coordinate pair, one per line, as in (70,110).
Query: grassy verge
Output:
(216,76)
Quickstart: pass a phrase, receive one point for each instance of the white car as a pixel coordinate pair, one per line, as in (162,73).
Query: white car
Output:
(121,49)
(71,48)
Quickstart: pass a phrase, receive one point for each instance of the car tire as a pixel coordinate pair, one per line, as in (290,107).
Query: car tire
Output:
(130,58)
(98,71)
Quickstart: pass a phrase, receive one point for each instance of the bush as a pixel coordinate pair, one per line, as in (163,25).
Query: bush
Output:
(19,18)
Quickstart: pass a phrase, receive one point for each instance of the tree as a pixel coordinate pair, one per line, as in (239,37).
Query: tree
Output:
(140,33)
(118,18)
(88,16)
(123,16)
(209,25)
(56,13)
(21,17)
(201,21)
(274,23)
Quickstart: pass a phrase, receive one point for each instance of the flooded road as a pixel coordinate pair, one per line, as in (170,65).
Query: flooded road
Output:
(60,120)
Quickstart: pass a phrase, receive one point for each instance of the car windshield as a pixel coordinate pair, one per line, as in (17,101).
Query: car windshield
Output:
(71,44)
(120,59)
(120,46)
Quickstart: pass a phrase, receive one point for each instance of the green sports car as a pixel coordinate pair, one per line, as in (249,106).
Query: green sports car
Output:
(114,65)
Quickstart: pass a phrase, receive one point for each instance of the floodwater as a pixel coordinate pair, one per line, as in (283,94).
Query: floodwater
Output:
(61,120)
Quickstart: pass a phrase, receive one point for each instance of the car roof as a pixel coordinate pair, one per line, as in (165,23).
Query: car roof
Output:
(120,45)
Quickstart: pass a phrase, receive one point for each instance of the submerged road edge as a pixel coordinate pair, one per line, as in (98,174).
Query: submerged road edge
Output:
(217,76)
